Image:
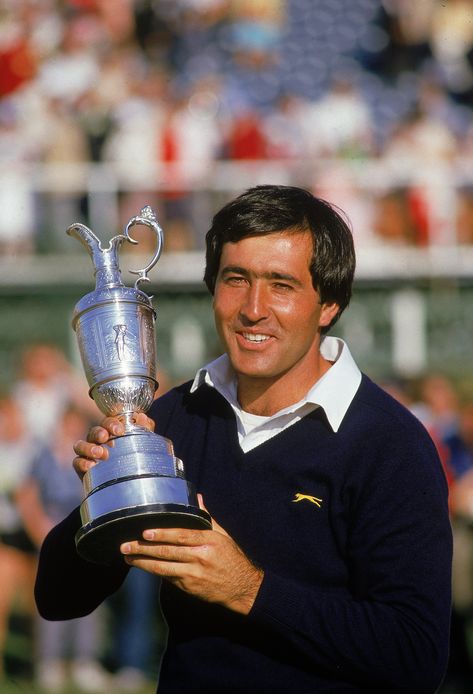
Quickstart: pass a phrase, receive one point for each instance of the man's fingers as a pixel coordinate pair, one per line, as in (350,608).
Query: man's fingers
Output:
(81,465)
(200,500)
(114,426)
(92,451)
(110,426)
(87,455)
(163,552)
(178,536)
(100,439)
(98,434)
(170,570)
(144,421)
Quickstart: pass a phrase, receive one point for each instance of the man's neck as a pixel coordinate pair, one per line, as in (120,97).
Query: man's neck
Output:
(265,397)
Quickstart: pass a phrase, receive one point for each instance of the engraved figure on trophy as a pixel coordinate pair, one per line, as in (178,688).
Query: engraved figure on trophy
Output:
(120,340)
(142,484)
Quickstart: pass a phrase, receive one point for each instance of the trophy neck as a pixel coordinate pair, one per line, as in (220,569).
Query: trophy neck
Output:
(107,271)
(129,423)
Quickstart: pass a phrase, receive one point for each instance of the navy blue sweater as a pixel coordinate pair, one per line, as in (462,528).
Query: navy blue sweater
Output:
(356,592)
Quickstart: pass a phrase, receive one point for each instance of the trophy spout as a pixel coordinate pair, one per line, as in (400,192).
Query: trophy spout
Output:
(105,260)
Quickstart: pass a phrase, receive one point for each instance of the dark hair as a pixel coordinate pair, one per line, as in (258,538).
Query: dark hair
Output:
(269,208)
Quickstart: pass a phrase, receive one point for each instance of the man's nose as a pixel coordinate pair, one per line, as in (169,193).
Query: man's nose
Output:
(255,306)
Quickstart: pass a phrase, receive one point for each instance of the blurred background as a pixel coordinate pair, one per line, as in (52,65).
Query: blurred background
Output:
(109,105)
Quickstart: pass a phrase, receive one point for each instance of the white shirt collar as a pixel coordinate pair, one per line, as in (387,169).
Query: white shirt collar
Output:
(333,392)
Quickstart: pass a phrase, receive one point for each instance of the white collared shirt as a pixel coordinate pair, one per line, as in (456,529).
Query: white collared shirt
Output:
(333,392)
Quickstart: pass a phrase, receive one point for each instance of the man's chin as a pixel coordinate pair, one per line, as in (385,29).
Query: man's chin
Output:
(255,372)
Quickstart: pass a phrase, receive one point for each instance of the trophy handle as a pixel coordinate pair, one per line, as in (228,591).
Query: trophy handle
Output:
(146,218)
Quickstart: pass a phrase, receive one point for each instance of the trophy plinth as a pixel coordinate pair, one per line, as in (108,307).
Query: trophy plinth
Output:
(142,483)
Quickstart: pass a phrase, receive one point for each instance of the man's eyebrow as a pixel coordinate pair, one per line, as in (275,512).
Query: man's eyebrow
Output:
(235,269)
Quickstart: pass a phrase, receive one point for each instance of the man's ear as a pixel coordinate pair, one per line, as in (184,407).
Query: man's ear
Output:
(328,313)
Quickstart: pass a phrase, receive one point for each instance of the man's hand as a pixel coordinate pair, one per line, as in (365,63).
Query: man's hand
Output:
(95,449)
(205,563)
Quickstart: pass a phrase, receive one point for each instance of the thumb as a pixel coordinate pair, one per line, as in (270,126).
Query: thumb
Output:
(215,526)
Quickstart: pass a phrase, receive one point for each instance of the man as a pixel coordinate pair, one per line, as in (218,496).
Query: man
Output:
(328,565)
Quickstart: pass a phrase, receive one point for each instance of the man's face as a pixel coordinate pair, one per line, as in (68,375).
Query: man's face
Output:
(267,312)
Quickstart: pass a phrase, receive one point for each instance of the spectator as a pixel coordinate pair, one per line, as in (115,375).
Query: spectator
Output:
(340,124)
(72,71)
(421,137)
(246,139)
(17,551)
(394,223)
(138,632)
(48,493)
(138,117)
(438,405)
(16,196)
(456,453)
(407,27)
(451,41)
(464,216)
(285,126)
(66,149)
(18,62)
(459,442)
(421,151)
(255,31)
(46,383)
(190,143)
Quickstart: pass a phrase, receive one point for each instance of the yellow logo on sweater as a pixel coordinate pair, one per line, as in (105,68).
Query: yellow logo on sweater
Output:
(307,497)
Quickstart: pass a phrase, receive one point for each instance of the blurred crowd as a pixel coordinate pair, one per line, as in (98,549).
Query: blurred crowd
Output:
(367,102)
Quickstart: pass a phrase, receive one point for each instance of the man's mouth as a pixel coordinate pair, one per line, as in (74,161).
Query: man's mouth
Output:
(256,337)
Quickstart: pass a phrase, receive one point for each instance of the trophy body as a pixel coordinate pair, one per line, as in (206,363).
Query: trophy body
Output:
(142,484)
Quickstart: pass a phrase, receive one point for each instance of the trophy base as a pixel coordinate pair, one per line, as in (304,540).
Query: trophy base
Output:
(99,541)
(139,487)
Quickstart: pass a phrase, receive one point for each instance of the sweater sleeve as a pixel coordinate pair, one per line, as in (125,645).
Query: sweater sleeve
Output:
(68,586)
(391,627)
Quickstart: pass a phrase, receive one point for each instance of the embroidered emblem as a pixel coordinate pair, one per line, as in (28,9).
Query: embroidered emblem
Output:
(307,497)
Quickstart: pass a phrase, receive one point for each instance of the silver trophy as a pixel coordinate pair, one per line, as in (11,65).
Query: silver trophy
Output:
(142,483)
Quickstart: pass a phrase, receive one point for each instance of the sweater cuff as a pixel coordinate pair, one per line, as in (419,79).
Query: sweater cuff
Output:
(63,576)
(277,602)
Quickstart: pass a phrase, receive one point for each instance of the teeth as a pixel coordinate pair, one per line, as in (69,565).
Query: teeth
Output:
(255,338)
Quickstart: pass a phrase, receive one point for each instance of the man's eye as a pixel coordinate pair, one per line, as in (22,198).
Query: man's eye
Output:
(234,280)
(282,286)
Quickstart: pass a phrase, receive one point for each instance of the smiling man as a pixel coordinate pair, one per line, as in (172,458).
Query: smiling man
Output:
(327,568)
(268,316)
